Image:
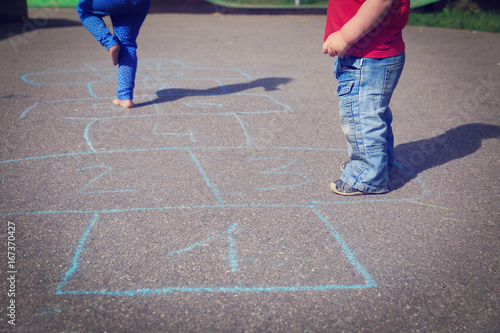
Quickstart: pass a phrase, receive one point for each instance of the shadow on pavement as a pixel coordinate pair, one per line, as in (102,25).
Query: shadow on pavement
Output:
(26,28)
(172,94)
(422,155)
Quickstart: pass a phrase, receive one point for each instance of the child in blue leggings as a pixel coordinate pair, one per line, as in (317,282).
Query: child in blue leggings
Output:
(127,17)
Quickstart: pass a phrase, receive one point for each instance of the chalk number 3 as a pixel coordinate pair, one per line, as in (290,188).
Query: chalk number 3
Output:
(280,170)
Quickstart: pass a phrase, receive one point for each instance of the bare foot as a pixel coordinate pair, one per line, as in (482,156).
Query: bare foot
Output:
(114,53)
(124,104)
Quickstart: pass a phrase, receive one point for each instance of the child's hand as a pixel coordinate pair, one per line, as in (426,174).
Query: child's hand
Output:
(335,45)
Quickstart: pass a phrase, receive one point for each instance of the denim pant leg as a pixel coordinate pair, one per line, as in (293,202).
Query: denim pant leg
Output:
(365,90)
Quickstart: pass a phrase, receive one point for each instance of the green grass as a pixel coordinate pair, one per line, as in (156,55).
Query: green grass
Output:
(52,3)
(455,18)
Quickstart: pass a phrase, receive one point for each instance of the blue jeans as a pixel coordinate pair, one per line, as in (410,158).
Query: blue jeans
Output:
(365,89)
(127,17)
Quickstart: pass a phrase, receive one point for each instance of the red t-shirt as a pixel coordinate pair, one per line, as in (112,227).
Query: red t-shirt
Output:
(385,40)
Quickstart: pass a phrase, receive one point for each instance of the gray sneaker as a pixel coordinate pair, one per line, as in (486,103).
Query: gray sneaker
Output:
(343,165)
(342,188)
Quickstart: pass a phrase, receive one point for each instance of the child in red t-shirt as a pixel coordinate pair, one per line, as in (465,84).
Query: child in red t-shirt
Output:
(366,35)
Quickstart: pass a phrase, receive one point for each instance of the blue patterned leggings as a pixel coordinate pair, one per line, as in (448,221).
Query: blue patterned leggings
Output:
(127,17)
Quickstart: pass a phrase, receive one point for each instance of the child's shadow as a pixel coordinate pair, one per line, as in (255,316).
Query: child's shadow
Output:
(173,94)
(416,157)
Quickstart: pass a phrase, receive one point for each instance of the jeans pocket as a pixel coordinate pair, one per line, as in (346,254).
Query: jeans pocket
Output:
(344,88)
(347,65)
(350,63)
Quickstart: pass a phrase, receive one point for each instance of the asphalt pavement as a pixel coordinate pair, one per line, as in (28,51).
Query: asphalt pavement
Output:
(207,207)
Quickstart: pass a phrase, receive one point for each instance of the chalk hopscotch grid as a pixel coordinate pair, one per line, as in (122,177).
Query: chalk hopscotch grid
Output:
(67,276)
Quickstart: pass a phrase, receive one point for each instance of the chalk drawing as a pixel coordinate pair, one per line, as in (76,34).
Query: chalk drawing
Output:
(189,121)
(51,311)
(279,171)
(107,168)
(232,255)
(25,112)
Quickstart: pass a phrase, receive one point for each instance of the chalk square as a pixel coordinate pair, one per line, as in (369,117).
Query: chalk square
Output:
(268,175)
(102,182)
(166,131)
(218,249)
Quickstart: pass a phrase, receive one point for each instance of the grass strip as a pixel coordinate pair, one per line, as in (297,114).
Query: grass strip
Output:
(53,3)
(453,18)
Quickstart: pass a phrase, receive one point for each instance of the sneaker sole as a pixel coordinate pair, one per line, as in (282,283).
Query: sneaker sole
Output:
(335,190)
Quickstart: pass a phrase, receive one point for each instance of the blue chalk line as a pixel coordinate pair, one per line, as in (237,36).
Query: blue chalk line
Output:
(232,257)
